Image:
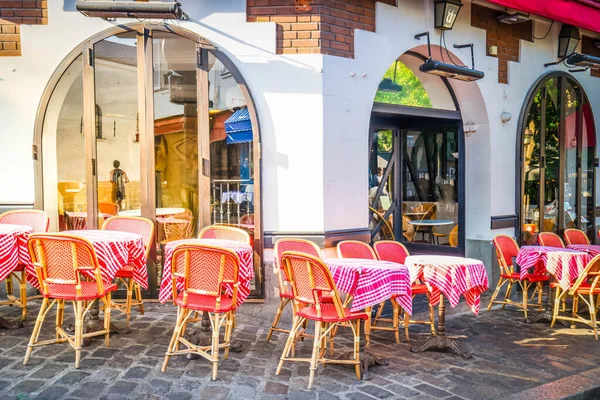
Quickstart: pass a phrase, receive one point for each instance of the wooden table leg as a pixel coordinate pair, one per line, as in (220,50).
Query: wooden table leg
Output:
(368,328)
(441,341)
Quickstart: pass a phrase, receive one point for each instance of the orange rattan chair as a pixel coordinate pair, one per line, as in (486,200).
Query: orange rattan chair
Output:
(355,249)
(207,272)
(225,233)
(310,280)
(550,239)
(67,270)
(145,228)
(40,222)
(585,288)
(408,229)
(396,252)
(506,249)
(575,236)
(285,292)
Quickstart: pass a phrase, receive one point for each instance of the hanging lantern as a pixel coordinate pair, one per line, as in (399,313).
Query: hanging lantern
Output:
(568,39)
(446,12)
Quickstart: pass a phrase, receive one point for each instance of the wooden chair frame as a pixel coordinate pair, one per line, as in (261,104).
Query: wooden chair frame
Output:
(322,329)
(130,285)
(20,275)
(568,238)
(80,307)
(506,269)
(586,294)
(217,319)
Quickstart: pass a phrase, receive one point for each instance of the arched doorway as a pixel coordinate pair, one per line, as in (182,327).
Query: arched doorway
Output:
(149,120)
(557,144)
(416,160)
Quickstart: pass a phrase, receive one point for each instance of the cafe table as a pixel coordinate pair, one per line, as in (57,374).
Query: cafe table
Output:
(563,264)
(371,282)
(592,249)
(431,223)
(448,277)
(160,212)
(77,220)
(13,254)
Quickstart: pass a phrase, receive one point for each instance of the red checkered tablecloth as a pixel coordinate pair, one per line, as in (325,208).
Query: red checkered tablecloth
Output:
(451,276)
(592,249)
(13,248)
(564,264)
(244,252)
(377,281)
(115,250)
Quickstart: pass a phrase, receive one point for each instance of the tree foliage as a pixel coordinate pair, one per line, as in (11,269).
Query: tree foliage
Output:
(412,94)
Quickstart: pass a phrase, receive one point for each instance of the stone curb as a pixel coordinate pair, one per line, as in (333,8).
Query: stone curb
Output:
(584,386)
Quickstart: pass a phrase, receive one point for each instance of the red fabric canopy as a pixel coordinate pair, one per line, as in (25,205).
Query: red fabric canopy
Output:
(569,12)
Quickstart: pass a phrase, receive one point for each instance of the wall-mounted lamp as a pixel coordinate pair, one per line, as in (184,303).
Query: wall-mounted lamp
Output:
(388,85)
(584,61)
(511,19)
(446,12)
(568,39)
(129,9)
(505,116)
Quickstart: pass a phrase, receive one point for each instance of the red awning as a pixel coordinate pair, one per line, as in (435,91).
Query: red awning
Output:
(576,13)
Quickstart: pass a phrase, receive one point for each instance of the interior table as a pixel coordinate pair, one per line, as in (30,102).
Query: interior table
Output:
(430,224)
(450,277)
(14,254)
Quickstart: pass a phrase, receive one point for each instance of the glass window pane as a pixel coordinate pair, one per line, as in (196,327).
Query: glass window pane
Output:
(381,206)
(531,172)
(588,164)
(552,148)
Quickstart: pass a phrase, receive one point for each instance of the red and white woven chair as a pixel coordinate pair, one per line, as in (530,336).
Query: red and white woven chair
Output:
(285,291)
(225,233)
(40,222)
(67,270)
(506,250)
(145,228)
(310,280)
(389,250)
(355,249)
(550,239)
(575,236)
(210,278)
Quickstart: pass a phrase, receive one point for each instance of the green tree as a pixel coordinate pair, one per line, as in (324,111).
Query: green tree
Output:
(412,94)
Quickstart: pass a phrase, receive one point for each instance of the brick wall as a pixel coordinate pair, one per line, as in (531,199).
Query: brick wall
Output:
(328,28)
(505,37)
(13,13)
(587,47)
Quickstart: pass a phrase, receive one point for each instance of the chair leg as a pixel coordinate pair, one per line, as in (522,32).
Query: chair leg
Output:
(432,315)
(540,293)
(128,300)
(60,315)
(495,294)
(36,330)
(508,292)
(215,347)
(357,350)
(525,287)
(282,303)
(78,331)
(107,302)
(406,324)
(314,360)
(288,344)
(395,320)
(9,285)
(181,317)
(592,308)
(556,307)
(379,311)
(23,293)
(138,297)
(228,330)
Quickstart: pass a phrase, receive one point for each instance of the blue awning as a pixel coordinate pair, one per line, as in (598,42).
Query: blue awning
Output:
(239,127)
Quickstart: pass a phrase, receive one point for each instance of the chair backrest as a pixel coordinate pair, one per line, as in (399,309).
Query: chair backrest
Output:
(550,239)
(575,236)
(355,249)
(59,259)
(37,219)
(310,279)
(205,270)
(453,237)
(142,226)
(247,219)
(408,229)
(430,211)
(389,250)
(108,208)
(225,233)
(506,249)
(295,245)
(590,275)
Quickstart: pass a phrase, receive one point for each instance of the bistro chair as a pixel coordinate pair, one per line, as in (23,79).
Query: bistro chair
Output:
(210,278)
(355,249)
(585,288)
(550,239)
(396,252)
(40,222)
(108,208)
(310,280)
(408,229)
(575,236)
(506,250)
(430,213)
(452,236)
(67,270)
(225,233)
(285,291)
(145,228)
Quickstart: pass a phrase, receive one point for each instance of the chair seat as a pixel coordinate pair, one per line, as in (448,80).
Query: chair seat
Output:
(327,298)
(204,302)
(329,314)
(89,291)
(529,277)
(419,288)
(585,288)
(125,272)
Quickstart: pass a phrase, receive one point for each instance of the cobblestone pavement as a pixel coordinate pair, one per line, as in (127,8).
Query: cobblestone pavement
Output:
(511,358)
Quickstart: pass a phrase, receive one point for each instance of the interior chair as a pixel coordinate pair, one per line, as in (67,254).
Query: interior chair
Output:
(506,250)
(408,229)
(145,228)
(310,280)
(575,236)
(225,233)
(40,222)
(207,272)
(108,208)
(430,213)
(67,271)
(550,239)
(452,236)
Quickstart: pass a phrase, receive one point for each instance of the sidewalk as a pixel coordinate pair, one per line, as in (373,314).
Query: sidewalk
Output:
(511,360)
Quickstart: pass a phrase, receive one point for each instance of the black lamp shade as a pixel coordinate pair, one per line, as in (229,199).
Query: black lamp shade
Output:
(389,86)
(568,39)
(446,12)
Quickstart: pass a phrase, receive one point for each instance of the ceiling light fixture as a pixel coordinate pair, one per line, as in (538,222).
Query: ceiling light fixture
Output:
(511,19)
